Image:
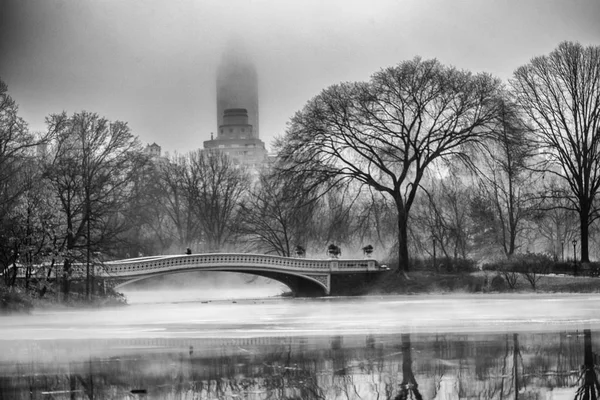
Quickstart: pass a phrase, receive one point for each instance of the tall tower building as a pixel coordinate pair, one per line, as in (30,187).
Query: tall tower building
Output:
(236,138)
(237,111)
(237,85)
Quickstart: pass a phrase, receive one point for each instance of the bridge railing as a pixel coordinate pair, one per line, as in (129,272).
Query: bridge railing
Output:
(145,265)
(132,267)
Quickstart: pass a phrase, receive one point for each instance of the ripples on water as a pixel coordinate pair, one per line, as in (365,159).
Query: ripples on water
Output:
(173,361)
(433,366)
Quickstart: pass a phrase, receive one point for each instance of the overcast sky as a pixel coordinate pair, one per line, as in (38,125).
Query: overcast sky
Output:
(152,63)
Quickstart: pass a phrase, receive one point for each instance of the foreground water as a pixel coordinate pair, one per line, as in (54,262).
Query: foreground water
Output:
(436,347)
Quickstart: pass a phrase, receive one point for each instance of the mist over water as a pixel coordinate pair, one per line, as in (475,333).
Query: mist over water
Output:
(201,286)
(304,316)
(195,295)
(310,348)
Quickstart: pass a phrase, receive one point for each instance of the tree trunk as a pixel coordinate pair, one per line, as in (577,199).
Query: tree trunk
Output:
(403,261)
(585,228)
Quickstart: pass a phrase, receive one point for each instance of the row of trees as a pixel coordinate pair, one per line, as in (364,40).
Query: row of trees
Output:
(85,191)
(421,117)
(423,158)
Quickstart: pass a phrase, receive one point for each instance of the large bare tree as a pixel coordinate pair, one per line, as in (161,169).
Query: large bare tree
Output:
(91,165)
(560,93)
(387,132)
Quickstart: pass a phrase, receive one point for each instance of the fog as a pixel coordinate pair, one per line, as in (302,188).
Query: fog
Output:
(306,317)
(153,63)
(201,286)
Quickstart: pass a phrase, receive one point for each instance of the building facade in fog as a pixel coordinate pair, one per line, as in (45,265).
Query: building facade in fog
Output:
(237,111)
(236,138)
(237,85)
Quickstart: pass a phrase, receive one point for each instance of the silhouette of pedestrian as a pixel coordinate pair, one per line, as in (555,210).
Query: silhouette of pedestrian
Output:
(188,251)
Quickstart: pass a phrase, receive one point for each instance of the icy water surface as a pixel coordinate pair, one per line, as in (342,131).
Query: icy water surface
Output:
(435,347)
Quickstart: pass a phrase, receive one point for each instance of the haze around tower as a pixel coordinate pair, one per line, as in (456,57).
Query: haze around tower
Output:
(237,83)
(153,63)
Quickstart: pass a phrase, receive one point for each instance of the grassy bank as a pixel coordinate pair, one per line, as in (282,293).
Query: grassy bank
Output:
(424,282)
(391,282)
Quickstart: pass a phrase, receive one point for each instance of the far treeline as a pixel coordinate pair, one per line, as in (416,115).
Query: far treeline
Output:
(422,161)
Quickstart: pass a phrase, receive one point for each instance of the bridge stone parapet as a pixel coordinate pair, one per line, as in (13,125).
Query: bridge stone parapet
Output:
(143,266)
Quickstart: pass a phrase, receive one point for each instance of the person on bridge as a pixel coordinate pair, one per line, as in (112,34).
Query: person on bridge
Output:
(188,251)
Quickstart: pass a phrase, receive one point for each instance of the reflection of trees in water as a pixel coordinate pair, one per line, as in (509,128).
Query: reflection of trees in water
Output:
(409,388)
(436,367)
(523,366)
(589,388)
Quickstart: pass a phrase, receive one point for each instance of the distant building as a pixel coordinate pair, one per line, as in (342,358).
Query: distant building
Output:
(153,150)
(236,138)
(237,111)
(237,85)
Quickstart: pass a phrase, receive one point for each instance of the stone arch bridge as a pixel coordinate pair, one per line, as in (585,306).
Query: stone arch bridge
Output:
(305,277)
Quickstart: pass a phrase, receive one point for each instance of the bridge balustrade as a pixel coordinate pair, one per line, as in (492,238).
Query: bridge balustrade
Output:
(182,262)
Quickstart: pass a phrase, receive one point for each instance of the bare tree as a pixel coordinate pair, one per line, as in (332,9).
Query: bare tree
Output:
(277,216)
(15,140)
(216,187)
(90,166)
(386,133)
(555,221)
(149,228)
(560,93)
(504,180)
(175,220)
(443,217)
(17,169)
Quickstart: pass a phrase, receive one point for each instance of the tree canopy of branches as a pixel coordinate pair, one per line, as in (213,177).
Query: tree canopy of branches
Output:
(387,132)
(216,187)
(175,210)
(15,139)
(90,166)
(277,216)
(19,179)
(504,196)
(443,217)
(560,93)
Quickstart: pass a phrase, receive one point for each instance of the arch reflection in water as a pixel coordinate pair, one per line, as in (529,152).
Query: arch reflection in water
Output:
(549,365)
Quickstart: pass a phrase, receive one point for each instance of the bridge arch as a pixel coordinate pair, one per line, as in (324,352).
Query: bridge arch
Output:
(298,283)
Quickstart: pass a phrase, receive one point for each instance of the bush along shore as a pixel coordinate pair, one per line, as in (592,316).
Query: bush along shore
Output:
(16,298)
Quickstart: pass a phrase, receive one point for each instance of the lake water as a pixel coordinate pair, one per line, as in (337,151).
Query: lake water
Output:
(420,347)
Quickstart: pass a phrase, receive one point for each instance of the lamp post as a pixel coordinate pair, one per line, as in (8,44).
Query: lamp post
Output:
(574,258)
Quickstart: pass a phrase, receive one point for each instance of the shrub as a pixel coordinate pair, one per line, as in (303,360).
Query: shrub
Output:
(445,264)
(530,265)
(533,266)
(13,301)
(498,284)
(562,268)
